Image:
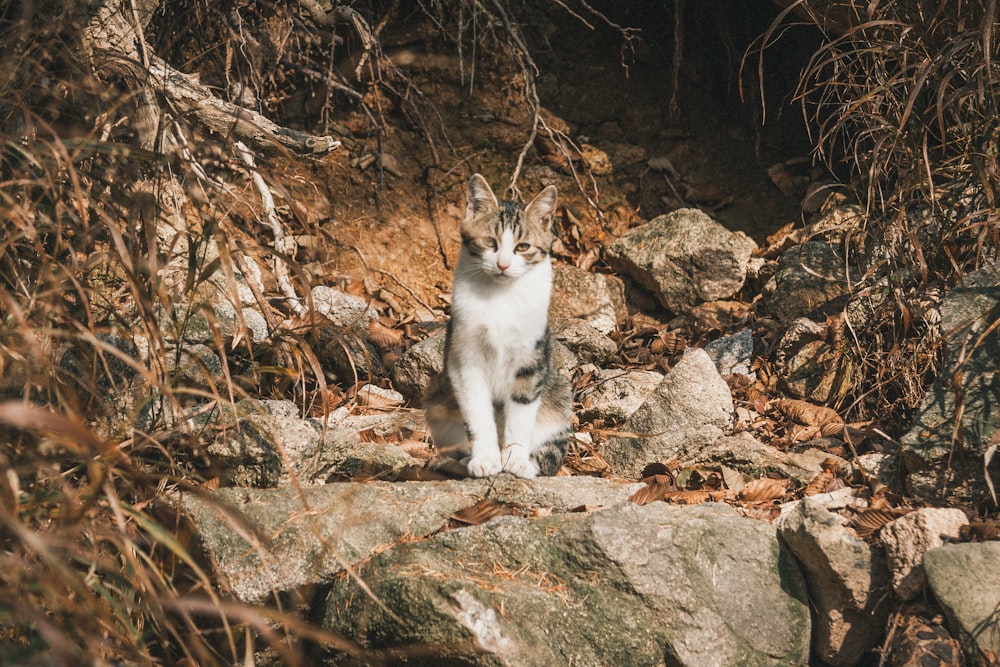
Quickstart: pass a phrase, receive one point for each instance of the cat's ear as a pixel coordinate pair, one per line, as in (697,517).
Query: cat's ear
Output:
(543,206)
(479,197)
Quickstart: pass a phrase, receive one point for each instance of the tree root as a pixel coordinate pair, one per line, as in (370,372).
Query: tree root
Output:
(114,44)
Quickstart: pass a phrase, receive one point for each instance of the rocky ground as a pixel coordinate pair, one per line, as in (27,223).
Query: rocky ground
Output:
(715,509)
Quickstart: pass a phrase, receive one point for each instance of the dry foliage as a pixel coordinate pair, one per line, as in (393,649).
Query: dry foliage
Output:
(904,96)
(118,237)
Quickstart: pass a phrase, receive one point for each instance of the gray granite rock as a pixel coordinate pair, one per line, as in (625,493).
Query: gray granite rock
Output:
(937,467)
(810,281)
(617,393)
(690,409)
(847,579)
(596,298)
(683,258)
(965,581)
(265,541)
(627,585)
(907,539)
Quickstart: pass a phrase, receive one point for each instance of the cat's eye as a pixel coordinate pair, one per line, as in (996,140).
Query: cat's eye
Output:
(522,247)
(490,243)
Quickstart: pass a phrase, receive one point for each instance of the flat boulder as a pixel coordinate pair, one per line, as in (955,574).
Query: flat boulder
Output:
(263,542)
(626,585)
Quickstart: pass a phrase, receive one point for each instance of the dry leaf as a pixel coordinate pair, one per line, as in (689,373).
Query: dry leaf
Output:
(694,497)
(419,474)
(734,479)
(383,337)
(718,315)
(651,493)
(867,522)
(803,433)
(819,484)
(590,463)
(668,342)
(585,508)
(760,511)
(805,413)
(369,396)
(980,530)
(334,399)
(481,512)
(763,489)
(918,637)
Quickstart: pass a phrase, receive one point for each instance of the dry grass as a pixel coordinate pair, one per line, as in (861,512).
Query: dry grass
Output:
(110,259)
(905,100)
(114,261)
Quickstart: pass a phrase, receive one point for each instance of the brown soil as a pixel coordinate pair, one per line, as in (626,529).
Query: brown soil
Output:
(397,230)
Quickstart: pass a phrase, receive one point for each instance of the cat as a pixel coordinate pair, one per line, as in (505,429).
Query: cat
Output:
(500,403)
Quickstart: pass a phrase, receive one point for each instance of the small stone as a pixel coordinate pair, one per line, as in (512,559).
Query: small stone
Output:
(907,539)
(342,309)
(595,298)
(616,394)
(588,344)
(419,364)
(732,355)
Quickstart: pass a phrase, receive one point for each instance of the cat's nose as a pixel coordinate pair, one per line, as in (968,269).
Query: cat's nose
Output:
(503,264)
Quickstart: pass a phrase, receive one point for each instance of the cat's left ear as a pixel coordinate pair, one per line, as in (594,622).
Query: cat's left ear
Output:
(543,206)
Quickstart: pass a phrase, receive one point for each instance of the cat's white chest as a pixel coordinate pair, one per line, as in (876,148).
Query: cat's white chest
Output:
(503,319)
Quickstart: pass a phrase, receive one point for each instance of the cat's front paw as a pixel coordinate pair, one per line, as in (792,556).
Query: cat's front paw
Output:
(484,464)
(517,461)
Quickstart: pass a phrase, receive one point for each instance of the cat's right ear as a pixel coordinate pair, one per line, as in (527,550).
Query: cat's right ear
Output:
(479,197)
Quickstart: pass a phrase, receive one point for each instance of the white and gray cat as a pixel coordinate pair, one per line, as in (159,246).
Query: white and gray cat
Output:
(500,403)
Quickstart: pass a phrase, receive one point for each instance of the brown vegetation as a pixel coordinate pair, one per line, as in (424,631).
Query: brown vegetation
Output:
(141,145)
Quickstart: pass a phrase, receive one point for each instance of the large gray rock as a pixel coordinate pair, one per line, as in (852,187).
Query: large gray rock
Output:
(684,258)
(690,409)
(265,541)
(848,581)
(595,298)
(965,581)
(628,585)
(907,539)
(939,468)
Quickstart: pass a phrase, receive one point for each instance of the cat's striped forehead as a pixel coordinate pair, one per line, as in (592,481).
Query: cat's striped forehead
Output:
(508,216)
